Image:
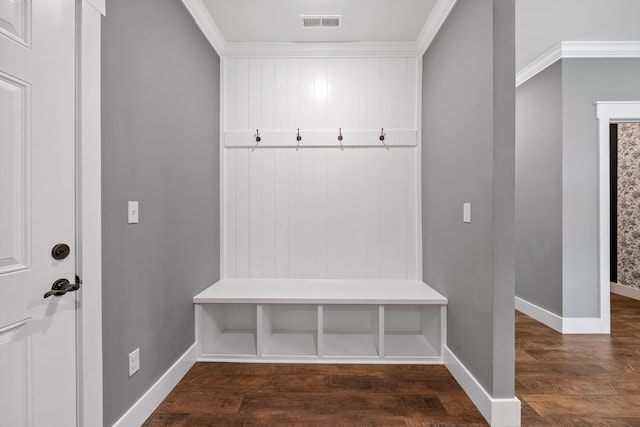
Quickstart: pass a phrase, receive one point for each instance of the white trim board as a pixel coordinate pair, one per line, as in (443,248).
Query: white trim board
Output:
(320,138)
(578,49)
(585,325)
(324,50)
(497,412)
(100,5)
(436,18)
(564,325)
(144,407)
(418,166)
(625,291)
(222,159)
(332,360)
(607,113)
(540,314)
(89,214)
(207,25)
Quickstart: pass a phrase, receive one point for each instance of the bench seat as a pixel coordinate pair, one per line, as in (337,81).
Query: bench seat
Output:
(320,321)
(294,291)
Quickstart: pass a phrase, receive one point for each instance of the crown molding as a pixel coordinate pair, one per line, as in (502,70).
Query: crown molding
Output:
(435,20)
(207,25)
(99,5)
(345,49)
(212,33)
(578,49)
(539,64)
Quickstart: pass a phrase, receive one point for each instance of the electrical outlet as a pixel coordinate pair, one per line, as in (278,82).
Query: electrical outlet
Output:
(134,362)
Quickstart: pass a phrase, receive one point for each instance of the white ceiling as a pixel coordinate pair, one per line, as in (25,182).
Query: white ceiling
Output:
(278,20)
(541,24)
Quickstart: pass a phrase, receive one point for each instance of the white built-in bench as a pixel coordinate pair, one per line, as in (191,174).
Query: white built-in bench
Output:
(374,321)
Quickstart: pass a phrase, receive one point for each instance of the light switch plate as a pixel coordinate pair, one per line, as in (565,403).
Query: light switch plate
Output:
(134,214)
(466,213)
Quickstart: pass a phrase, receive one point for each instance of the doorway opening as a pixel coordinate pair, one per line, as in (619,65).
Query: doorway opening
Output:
(624,178)
(607,113)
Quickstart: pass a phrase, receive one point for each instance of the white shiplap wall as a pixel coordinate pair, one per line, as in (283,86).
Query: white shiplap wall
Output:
(321,212)
(320,93)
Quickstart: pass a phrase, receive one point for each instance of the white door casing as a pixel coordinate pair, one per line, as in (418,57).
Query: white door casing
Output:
(37,210)
(607,113)
(89,219)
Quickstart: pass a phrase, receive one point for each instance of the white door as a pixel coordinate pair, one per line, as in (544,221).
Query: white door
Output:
(37,211)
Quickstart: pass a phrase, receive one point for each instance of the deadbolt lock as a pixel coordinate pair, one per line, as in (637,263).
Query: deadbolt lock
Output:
(60,251)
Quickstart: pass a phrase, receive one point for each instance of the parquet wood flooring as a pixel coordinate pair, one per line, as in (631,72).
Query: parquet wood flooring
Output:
(561,380)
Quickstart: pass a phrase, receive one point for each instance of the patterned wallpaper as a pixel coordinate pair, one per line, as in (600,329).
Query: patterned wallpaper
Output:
(629,204)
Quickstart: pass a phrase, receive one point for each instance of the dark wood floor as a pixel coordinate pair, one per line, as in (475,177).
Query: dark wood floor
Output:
(580,380)
(234,394)
(570,380)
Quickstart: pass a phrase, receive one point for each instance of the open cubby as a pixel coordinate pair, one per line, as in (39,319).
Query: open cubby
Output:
(412,330)
(350,330)
(351,321)
(289,330)
(228,329)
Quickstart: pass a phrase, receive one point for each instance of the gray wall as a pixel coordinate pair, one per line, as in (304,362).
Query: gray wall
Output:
(160,137)
(468,133)
(556,204)
(584,82)
(539,190)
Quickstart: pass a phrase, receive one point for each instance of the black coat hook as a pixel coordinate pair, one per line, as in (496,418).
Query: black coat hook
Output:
(258,139)
(298,137)
(382,135)
(340,134)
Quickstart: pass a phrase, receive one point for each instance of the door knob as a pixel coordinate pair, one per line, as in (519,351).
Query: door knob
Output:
(62,286)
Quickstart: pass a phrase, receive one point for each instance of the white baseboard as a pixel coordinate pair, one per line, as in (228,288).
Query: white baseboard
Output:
(540,314)
(585,325)
(625,291)
(497,412)
(144,407)
(314,360)
(564,325)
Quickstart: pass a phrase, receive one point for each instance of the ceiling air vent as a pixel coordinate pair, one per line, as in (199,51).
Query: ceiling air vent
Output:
(321,21)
